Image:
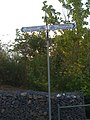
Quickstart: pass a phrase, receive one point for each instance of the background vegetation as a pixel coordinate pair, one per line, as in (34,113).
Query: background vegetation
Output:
(24,64)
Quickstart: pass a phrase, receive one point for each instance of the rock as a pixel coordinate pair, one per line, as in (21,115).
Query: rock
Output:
(24,94)
(30,105)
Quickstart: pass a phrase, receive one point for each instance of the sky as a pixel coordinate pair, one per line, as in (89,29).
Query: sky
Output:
(21,13)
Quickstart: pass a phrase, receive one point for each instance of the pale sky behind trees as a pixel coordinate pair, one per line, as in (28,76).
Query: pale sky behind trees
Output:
(21,13)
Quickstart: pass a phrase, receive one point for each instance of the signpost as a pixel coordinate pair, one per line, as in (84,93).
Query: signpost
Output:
(47,28)
(50,27)
(62,26)
(33,28)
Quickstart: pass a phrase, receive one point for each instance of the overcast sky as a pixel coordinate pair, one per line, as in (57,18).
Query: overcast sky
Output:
(21,13)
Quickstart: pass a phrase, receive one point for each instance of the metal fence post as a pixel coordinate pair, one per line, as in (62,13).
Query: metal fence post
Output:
(58,111)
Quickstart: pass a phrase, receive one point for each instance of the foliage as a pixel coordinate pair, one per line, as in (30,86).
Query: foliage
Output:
(31,49)
(51,16)
(69,53)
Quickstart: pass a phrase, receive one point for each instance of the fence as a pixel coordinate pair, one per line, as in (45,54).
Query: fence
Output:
(72,106)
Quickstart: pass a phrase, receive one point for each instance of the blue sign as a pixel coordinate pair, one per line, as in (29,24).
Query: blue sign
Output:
(33,28)
(62,26)
(50,27)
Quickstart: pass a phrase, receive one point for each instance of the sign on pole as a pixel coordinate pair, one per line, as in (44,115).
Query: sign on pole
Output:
(43,28)
(50,27)
(33,28)
(62,26)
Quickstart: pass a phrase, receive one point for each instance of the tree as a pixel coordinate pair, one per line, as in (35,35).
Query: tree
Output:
(68,48)
(69,53)
(51,16)
(31,49)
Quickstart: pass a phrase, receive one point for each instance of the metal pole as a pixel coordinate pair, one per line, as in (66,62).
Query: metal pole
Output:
(58,111)
(48,65)
(49,94)
(74,106)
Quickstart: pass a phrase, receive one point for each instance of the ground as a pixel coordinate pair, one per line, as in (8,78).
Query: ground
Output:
(9,88)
